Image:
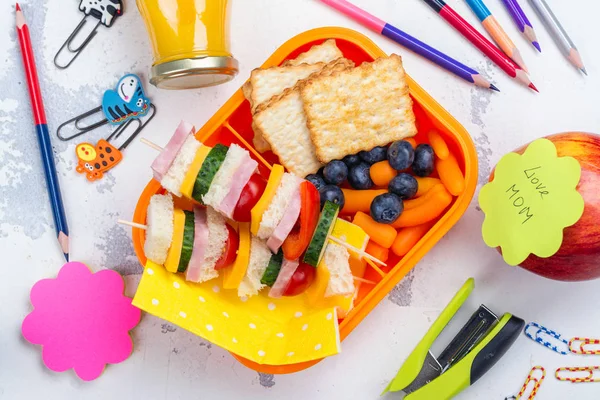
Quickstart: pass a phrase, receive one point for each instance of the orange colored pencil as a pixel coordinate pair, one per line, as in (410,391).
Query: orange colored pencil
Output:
(493,27)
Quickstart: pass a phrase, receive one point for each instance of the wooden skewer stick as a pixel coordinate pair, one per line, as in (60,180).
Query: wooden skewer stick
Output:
(132,224)
(151,144)
(368,282)
(375,267)
(355,250)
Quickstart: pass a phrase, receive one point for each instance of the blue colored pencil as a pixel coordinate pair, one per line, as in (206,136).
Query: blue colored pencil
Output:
(58,211)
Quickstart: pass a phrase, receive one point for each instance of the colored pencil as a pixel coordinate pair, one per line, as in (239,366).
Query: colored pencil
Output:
(518,15)
(559,34)
(60,220)
(493,27)
(410,42)
(479,41)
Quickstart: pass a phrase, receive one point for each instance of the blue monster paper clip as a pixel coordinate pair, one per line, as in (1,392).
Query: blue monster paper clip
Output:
(121,107)
(105,11)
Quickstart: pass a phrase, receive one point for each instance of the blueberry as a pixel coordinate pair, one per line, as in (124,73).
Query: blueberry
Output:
(351,160)
(335,172)
(386,208)
(423,164)
(376,154)
(333,194)
(316,180)
(401,155)
(359,176)
(404,186)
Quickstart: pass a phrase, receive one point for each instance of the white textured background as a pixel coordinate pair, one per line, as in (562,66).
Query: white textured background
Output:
(169,363)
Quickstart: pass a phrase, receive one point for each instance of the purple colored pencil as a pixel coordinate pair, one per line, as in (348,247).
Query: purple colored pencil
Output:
(410,42)
(522,22)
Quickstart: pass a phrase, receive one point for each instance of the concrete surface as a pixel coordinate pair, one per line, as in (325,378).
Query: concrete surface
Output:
(170,363)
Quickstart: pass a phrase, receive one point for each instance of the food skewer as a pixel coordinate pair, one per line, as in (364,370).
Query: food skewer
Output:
(333,239)
(352,248)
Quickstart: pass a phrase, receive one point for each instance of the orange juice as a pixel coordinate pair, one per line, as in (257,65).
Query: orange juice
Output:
(190,41)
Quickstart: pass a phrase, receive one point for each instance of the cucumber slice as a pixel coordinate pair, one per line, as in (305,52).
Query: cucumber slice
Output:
(317,244)
(188,241)
(272,271)
(209,169)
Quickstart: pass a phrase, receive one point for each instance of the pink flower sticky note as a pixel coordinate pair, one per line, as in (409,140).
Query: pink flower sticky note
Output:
(82,320)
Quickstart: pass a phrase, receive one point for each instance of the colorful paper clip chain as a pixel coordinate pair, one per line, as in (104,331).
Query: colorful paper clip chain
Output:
(546,343)
(582,346)
(589,378)
(536,386)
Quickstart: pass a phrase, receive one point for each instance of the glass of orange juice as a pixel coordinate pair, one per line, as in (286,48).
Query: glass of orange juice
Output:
(190,41)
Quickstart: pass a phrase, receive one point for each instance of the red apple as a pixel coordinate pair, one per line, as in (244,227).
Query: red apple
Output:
(578,258)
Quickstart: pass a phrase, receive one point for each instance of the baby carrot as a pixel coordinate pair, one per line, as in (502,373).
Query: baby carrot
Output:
(425,184)
(418,201)
(426,212)
(407,238)
(412,141)
(382,173)
(377,251)
(451,175)
(359,200)
(381,234)
(439,146)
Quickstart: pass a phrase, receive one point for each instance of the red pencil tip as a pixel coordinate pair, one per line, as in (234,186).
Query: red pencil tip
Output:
(531,85)
(18,7)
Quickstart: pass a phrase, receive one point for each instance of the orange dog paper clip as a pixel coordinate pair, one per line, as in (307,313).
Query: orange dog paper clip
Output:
(123,107)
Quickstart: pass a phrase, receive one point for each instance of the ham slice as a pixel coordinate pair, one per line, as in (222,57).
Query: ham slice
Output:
(165,159)
(288,220)
(283,279)
(194,269)
(238,181)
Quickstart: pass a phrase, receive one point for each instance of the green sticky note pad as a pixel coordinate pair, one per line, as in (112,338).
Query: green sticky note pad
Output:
(532,198)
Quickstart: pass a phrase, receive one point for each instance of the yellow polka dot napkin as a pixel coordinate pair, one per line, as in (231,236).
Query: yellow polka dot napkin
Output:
(261,329)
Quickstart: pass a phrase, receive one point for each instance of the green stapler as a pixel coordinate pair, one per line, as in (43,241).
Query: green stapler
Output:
(476,348)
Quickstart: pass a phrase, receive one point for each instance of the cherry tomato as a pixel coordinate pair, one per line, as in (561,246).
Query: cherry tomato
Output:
(230,251)
(251,193)
(301,280)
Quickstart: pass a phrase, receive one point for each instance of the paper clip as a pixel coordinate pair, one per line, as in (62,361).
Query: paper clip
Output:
(543,330)
(105,11)
(530,378)
(578,379)
(122,107)
(583,342)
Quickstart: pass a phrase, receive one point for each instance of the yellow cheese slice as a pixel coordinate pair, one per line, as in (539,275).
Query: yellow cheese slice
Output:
(316,291)
(187,187)
(232,276)
(262,205)
(352,234)
(172,262)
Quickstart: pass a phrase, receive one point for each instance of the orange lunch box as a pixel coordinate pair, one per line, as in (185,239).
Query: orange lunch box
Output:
(232,124)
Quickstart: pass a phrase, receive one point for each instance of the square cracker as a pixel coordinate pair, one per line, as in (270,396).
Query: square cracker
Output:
(282,124)
(270,82)
(358,109)
(325,52)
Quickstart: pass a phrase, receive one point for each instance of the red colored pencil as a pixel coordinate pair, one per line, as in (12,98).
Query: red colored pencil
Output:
(37,104)
(480,41)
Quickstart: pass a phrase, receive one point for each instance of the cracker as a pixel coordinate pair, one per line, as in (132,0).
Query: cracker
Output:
(358,109)
(270,82)
(324,52)
(282,123)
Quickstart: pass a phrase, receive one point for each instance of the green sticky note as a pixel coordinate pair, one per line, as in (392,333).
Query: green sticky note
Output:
(532,198)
